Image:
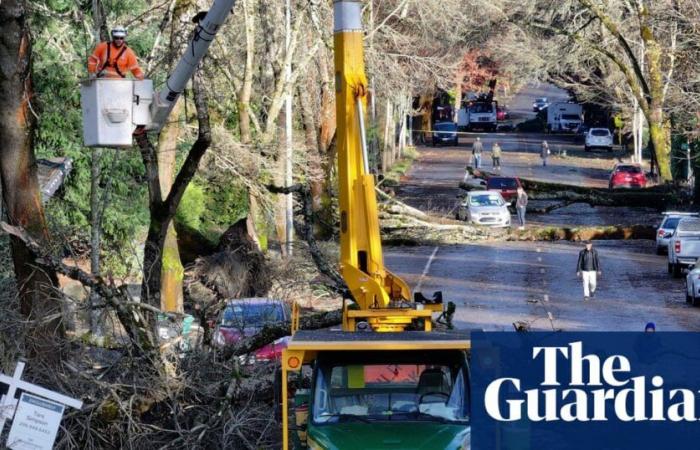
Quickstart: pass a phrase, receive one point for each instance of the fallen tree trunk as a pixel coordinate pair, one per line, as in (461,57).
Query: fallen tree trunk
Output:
(659,197)
(586,233)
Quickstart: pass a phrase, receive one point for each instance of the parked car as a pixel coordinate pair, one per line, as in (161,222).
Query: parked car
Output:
(668,226)
(684,245)
(445,133)
(501,113)
(540,104)
(627,175)
(484,208)
(598,138)
(242,318)
(692,285)
(507,186)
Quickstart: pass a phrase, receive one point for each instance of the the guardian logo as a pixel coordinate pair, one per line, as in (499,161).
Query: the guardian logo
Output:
(596,391)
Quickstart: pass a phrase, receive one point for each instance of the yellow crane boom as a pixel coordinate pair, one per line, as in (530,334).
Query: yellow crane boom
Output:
(383,299)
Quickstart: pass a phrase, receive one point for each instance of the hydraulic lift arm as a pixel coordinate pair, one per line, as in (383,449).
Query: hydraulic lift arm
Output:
(384,299)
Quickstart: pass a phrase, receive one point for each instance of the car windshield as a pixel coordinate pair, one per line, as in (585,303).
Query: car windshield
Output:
(502,183)
(541,100)
(243,314)
(570,117)
(486,200)
(671,223)
(403,386)
(600,132)
(481,108)
(446,126)
(629,169)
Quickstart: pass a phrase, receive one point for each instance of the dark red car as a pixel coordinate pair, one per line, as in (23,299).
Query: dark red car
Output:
(501,113)
(246,317)
(507,186)
(627,175)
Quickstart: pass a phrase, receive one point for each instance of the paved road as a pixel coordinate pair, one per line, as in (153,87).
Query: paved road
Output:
(497,283)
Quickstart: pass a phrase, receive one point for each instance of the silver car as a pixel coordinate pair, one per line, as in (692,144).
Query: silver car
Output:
(667,227)
(484,208)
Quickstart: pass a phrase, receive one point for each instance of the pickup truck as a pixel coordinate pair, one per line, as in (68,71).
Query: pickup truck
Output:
(684,245)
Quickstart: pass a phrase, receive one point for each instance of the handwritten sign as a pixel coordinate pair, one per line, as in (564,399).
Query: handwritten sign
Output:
(35,424)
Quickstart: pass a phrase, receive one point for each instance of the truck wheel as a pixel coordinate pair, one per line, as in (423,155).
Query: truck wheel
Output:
(693,300)
(670,268)
(677,270)
(586,148)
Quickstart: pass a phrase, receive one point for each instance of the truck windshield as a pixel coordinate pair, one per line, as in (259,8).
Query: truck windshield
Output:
(481,108)
(570,117)
(408,386)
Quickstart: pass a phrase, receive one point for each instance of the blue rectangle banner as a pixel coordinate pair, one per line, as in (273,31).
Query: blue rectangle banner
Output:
(533,391)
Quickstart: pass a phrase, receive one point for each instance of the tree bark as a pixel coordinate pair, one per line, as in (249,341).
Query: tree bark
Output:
(20,187)
(247,86)
(162,210)
(172,273)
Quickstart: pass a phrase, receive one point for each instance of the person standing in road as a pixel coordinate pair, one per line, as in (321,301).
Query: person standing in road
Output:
(521,206)
(496,156)
(544,153)
(588,267)
(477,148)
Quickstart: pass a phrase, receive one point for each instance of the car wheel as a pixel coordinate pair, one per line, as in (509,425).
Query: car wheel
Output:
(677,270)
(687,296)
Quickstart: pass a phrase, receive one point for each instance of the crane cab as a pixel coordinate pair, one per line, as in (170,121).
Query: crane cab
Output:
(113,108)
(377,390)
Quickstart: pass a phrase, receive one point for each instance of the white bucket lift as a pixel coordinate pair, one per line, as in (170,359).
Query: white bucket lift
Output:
(113,108)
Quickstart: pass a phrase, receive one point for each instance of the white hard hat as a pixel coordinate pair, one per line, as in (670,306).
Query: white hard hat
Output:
(119,31)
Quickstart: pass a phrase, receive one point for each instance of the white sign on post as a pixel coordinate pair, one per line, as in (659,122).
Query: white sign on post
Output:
(35,424)
(36,419)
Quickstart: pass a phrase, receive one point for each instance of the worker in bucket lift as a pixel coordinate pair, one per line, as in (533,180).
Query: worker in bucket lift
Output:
(114,59)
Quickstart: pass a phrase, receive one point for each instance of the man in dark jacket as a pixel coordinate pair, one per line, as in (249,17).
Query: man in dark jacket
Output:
(588,267)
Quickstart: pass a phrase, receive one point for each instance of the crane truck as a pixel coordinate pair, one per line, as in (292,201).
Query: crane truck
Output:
(375,384)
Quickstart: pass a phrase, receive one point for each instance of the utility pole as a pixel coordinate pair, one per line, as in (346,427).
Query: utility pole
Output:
(289,213)
(95,315)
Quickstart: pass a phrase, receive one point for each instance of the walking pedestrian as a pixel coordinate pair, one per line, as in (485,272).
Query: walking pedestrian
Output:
(521,206)
(544,153)
(477,148)
(496,156)
(588,267)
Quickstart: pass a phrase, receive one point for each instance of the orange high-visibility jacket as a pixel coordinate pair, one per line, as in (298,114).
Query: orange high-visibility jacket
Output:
(113,61)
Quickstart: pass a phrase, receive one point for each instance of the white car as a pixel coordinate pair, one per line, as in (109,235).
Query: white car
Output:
(692,285)
(667,227)
(599,138)
(684,246)
(484,208)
